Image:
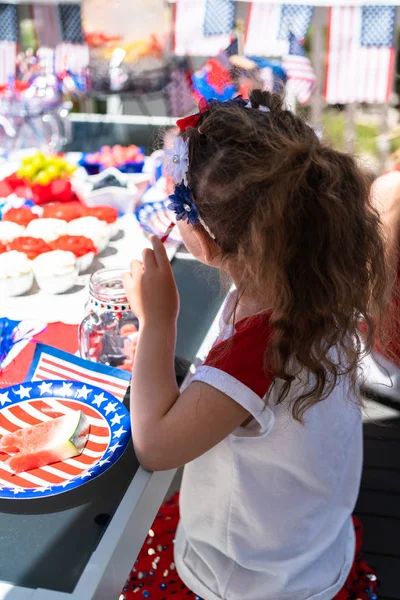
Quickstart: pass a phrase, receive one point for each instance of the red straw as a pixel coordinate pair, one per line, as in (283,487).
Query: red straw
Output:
(167,232)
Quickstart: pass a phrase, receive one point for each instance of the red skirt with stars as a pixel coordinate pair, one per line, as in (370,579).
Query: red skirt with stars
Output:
(154,575)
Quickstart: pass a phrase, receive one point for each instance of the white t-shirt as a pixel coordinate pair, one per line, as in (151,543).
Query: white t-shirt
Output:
(266,514)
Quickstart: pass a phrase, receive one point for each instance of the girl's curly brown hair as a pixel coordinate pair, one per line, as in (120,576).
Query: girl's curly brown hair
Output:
(295,217)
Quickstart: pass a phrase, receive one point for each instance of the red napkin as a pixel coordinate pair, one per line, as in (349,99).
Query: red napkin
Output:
(59,335)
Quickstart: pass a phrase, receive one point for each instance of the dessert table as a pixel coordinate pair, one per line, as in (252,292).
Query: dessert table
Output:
(80,545)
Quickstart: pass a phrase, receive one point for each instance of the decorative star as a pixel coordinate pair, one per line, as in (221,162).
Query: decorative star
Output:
(103,462)
(23,392)
(4,398)
(120,432)
(116,420)
(45,388)
(64,485)
(111,407)
(113,448)
(18,490)
(99,399)
(83,392)
(86,474)
(42,489)
(66,389)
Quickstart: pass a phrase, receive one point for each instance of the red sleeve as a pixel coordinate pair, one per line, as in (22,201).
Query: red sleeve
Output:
(242,355)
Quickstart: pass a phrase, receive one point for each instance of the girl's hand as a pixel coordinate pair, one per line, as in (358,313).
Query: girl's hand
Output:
(151,289)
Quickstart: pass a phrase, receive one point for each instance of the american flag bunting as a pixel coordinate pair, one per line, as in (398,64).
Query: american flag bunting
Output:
(219,17)
(72,53)
(279,30)
(269,27)
(299,70)
(361,54)
(8,41)
(189,38)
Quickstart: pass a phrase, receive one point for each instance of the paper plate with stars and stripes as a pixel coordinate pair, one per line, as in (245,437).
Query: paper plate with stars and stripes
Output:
(33,402)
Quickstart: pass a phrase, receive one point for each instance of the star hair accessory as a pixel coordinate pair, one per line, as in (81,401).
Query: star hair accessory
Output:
(182,203)
(177,165)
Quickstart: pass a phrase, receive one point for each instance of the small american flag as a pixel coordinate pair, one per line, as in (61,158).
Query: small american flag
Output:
(8,39)
(189,37)
(51,363)
(219,17)
(299,70)
(269,27)
(361,54)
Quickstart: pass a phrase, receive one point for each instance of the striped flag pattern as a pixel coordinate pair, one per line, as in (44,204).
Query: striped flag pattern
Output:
(8,41)
(361,54)
(50,363)
(299,71)
(189,37)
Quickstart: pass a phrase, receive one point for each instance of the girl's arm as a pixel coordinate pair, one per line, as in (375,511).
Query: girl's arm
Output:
(169,429)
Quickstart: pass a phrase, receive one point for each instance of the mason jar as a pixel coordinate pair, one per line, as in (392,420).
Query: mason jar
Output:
(108,333)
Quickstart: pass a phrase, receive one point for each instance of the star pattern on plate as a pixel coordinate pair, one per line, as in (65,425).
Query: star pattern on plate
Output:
(4,398)
(116,420)
(112,412)
(23,392)
(83,392)
(120,432)
(111,407)
(114,447)
(66,389)
(45,388)
(99,399)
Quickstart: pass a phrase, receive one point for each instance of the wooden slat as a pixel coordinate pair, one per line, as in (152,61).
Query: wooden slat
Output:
(381,535)
(378,479)
(385,504)
(382,453)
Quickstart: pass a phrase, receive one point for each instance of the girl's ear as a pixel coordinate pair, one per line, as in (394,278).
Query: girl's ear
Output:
(211,253)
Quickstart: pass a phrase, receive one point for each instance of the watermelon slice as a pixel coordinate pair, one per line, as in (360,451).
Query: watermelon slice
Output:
(46,443)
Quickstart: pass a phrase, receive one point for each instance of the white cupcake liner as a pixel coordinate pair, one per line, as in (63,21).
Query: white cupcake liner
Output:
(57,284)
(114,229)
(84,262)
(16,286)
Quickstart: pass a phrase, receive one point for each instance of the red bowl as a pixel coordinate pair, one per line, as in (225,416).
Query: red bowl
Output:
(58,190)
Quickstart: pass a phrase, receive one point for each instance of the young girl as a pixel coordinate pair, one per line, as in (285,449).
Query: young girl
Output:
(270,427)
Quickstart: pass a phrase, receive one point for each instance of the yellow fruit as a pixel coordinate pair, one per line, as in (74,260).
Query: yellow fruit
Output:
(53,171)
(42,178)
(38,162)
